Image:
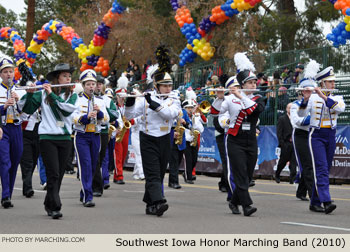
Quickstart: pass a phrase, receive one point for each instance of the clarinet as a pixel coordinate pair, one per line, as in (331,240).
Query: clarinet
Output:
(11,113)
(94,119)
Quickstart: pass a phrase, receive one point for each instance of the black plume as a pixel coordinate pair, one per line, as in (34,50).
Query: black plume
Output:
(163,59)
(26,74)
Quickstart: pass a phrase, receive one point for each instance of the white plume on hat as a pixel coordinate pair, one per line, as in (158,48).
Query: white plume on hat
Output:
(123,82)
(311,69)
(243,63)
(150,71)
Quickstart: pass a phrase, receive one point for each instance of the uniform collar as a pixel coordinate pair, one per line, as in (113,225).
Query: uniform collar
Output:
(326,93)
(4,85)
(86,96)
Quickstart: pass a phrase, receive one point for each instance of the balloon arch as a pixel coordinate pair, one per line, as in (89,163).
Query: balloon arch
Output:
(198,38)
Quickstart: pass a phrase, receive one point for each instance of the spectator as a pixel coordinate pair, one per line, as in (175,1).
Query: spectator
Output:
(174,69)
(131,65)
(188,78)
(113,79)
(137,73)
(298,70)
(260,77)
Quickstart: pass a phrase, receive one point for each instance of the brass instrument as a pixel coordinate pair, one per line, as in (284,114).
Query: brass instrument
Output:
(180,130)
(12,116)
(204,107)
(194,133)
(111,130)
(120,136)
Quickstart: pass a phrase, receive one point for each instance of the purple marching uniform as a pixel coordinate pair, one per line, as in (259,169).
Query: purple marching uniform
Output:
(87,142)
(11,144)
(323,124)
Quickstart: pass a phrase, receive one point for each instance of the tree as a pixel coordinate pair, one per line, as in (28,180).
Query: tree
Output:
(30,21)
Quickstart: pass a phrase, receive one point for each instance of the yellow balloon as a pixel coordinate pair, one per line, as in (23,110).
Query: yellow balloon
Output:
(347,27)
(84,61)
(189,47)
(206,48)
(347,19)
(195,42)
(195,49)
(203,41)
(199,51)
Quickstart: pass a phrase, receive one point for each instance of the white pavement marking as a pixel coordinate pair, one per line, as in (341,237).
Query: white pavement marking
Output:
(314,225)
(20,189)
(142,191)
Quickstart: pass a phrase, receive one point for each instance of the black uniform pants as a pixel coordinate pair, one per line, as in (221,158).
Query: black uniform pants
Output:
(155,153)
(97,181)
(29,157)
(243,153)
(220,141)
(174,163)
(55,154)
(70,166)
(287,154)
(303,157)
(191,156)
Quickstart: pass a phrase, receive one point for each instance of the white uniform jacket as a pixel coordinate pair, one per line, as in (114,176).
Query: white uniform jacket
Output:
(322,114)
(156,123)
(234,106)
(4,96)
(56,118)
(298,122)
(81,122)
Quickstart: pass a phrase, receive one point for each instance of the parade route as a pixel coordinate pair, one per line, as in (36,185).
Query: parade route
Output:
(193,209)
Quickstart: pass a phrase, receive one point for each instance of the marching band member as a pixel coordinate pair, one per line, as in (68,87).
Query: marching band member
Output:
(159,113)
(121,147)
(98,181)
(11,143)
(222,127)
(135,140)
(88,120)
(30,155)
(57,105)
(244,109)
(301,138)
(324,108)
(177,148)
(192,136)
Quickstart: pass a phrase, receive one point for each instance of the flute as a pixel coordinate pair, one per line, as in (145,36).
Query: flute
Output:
(40,86)
(227,89)
(142,95)
(313,89)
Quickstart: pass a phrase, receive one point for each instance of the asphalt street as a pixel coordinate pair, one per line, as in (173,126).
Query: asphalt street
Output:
(194,209)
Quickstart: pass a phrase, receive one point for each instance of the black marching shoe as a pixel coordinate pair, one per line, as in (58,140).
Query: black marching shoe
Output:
(157,209)
(174,185)
(49,212)
(252,183)
(29,194)
(106,186)
(329,207)
(317,209)
(302,198)
(277,179)
(187,180)
(56,214)
(249,210)
(119,182)
(234,208)
(6,203)
(89,203)
(97,194)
